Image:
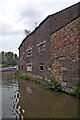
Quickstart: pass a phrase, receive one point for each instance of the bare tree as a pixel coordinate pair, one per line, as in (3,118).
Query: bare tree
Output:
(36,24)
(27,32)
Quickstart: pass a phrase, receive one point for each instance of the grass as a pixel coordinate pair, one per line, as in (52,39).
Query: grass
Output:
(2,69)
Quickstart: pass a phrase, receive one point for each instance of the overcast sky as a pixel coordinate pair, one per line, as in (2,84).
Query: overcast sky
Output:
(18,15)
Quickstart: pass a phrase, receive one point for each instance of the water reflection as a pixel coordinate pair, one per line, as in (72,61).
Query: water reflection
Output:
(10,96)
(46,104)
(26,99)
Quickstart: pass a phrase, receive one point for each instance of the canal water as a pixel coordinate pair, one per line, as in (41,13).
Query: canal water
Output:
(26,99)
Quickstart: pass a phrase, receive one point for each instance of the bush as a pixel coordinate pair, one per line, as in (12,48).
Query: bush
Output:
(35,79)
(26,77)
(22,76)
(75,91)
(54,85)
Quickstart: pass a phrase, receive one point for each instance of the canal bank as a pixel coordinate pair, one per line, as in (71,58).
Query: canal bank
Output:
(50,83)
(7,69)
(41,103)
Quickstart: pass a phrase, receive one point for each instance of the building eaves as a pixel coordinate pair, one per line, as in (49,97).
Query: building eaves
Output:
(34,30)
(49,17)
(68,8)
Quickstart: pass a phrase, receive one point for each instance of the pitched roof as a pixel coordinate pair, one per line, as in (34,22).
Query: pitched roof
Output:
(77,5)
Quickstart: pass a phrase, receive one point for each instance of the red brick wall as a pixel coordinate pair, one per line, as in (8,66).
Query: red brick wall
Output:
(42,33)
(64,53)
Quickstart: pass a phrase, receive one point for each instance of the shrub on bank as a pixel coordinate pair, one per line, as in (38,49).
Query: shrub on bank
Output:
(54,84)
(23,76)
(34,79)
(75,91)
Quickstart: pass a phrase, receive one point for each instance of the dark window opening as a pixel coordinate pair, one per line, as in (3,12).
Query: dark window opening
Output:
(22,67)
(41,67)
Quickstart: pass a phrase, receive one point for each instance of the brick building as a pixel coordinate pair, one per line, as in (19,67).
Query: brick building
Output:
(52,49)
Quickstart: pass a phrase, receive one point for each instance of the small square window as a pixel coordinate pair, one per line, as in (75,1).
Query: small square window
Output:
(29,68)
(41,67)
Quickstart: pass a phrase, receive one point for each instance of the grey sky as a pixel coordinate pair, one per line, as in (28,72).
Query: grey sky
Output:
(17,15)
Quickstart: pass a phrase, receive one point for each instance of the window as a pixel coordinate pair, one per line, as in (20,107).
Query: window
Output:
(41,66)
(21,67)
(41,48)
(29,68)
(29,53)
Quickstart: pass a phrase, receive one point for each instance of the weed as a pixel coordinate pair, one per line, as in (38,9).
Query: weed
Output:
(54,84)
(75,91)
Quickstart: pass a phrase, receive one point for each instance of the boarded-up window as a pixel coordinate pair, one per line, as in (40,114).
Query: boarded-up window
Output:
(29,68)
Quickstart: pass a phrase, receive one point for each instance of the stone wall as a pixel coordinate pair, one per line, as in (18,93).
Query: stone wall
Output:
(64,54)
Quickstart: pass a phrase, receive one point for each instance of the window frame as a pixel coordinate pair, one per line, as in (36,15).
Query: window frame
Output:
(29,53)
(41,48)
